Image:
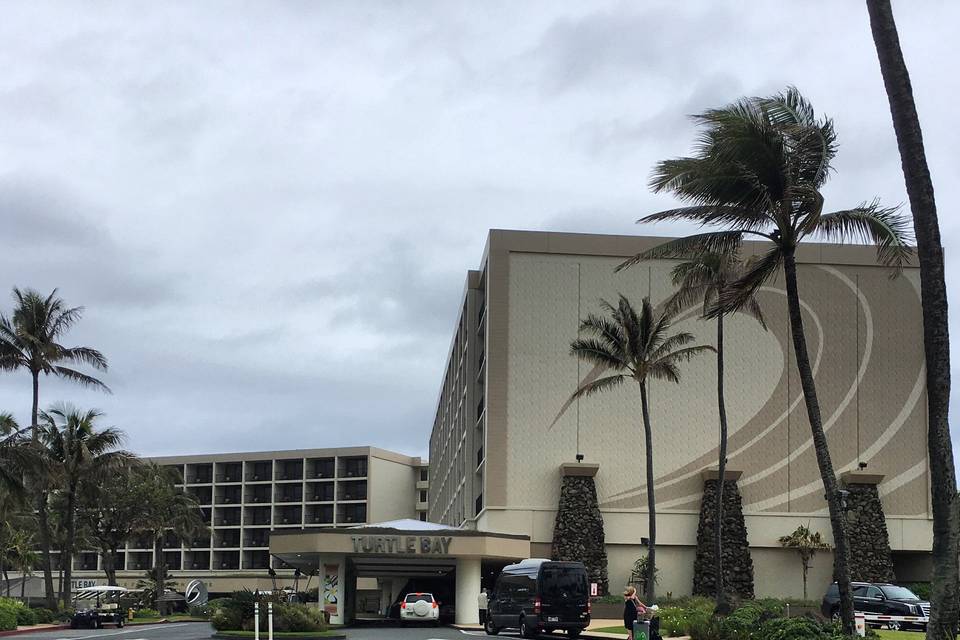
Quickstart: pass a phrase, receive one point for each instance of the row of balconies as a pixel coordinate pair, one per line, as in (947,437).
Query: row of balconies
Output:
(294,514)
(283,470)
(321,491)
(175,560)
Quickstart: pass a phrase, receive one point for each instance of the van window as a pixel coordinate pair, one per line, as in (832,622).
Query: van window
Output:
(563,582)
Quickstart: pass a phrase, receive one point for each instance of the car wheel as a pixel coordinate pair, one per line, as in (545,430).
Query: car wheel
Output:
(835,614)
(893,625)
(574,633)
(489,627)
(525,630)
(120,623)
(73,624)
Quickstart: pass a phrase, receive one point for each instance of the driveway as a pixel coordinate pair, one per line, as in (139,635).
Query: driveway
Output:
(175,631)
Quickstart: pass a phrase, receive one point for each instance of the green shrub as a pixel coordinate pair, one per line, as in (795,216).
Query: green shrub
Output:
(8,618)
(801,628)
(226,618)
(146,612)
(26,617)
(298,617)
(705,628)
(200,611)
(44,616)
(677,621)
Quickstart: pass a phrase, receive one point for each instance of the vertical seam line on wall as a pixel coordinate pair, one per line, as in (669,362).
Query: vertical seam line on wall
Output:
(577,385)
(856,363)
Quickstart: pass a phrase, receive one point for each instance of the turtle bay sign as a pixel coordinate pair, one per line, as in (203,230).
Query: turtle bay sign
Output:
(402,545)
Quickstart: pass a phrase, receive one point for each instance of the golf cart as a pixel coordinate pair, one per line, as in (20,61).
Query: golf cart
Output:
(99,606)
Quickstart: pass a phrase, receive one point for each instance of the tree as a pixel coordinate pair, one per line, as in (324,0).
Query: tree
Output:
(757,171)
(166,508)
(806,543)
(15,457)
(701,279)
(151,589)
(29,340)
(77,451)
(22,555)
(635,346)
(933,300)
(111,506)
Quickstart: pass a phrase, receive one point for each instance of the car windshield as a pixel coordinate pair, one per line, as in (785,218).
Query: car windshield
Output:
(898,593)
(564,582)
(413,597)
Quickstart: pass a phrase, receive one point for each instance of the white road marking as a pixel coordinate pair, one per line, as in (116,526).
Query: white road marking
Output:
(120,633)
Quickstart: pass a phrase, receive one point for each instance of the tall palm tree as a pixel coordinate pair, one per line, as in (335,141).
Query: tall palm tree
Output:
(701,279)
(933,300)
(15,456)
(30,340)
(758,169)
(77,451)
(167,508)
(636,346)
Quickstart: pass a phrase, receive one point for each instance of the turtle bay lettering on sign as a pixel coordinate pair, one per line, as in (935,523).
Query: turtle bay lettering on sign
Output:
(415,545)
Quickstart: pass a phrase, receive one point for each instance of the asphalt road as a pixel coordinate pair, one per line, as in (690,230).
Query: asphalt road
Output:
(175,631)
(198,631)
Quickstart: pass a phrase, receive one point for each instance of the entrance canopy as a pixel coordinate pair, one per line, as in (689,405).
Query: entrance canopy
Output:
(403,547)
(395,553)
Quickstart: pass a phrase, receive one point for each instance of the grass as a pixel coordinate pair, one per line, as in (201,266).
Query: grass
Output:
(617,629)
(886,634)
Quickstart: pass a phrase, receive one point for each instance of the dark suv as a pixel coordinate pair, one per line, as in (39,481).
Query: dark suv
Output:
(540,596)
(879,599)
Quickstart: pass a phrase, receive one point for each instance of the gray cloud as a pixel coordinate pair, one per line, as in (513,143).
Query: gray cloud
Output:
(269,209)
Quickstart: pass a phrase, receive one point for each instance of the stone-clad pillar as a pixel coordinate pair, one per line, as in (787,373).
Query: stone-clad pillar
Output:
(737,563)
(468,589)
(870,559)
(578,531)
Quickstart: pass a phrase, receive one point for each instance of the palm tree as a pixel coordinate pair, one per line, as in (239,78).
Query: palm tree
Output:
(76,451)
(29,340)
(638,346)
(933,300)
(758,170)
(806,543)
(700,281)
(23,556)
(14,457)
(167,508)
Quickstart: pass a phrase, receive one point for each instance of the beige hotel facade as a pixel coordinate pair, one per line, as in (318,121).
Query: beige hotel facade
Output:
(505,423)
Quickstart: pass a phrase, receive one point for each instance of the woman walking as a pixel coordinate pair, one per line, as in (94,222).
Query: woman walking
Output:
(633,610)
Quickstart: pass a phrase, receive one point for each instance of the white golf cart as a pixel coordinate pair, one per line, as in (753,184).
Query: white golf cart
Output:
(99,606)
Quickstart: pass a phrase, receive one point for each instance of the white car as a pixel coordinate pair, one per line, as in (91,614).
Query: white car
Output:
(420,607)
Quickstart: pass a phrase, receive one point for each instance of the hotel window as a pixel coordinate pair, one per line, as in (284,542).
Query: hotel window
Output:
(423,495)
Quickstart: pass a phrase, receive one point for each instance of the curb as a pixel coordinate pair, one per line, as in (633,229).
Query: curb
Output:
(50,627)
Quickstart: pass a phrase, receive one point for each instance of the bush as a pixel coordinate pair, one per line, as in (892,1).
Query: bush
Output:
(676,621)
(226,618)
(705,628)
(14,613)
(802,628)
(298,617)
(200,611)
(44,616)
(146,612)
(26,617)
(8,618)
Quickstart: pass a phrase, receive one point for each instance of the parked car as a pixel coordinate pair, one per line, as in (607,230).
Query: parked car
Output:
(879,599)
(420,607)
(540,596)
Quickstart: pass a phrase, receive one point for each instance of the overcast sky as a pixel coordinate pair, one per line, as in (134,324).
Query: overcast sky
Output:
(268,208)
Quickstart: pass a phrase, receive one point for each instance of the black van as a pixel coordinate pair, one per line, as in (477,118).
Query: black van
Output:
(539,595)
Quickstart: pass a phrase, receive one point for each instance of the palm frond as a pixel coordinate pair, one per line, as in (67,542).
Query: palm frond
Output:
(667,371)
(80,378)
(596,352)
(598,385)
(757,271)
(85,355)
(719,242)
(869,222)
(670,344)
(686,354)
